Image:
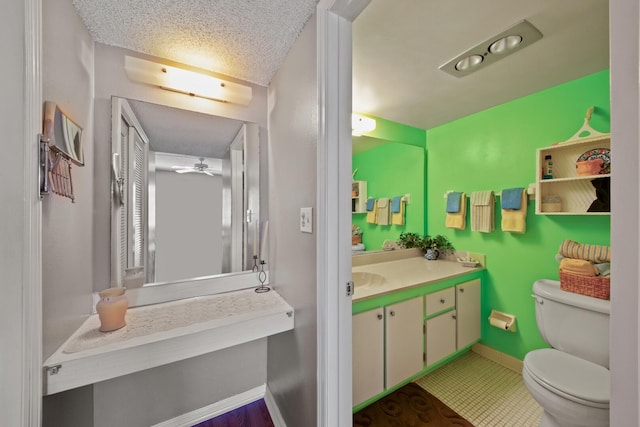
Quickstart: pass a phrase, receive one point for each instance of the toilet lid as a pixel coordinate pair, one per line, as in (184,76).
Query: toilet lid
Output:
(570,376)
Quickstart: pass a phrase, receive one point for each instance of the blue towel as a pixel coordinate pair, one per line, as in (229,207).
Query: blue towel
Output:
(395,204)
(511,198)
(453,202)
(370,203)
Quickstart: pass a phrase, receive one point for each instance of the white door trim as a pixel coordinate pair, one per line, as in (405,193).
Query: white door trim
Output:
(31,411)
(334,211)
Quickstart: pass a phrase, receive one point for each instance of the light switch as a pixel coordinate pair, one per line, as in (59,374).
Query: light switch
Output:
(306,220)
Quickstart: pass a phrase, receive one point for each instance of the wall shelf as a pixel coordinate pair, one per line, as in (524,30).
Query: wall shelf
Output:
(359,197)
(164,333)
(576,192)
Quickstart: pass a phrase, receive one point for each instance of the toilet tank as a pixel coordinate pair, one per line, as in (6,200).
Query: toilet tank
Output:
(573,323)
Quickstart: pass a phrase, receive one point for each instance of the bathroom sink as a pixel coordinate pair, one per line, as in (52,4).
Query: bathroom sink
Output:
(363,279)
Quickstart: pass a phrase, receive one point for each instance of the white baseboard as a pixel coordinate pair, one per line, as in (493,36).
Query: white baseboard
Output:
(503,359)
(218,408)
(274,411)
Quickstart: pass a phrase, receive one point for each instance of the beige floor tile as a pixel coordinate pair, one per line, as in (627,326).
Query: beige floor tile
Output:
(484,392)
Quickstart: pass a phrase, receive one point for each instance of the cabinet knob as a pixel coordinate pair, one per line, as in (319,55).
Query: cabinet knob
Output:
(453,316)
(392,313)
(379,316)
(461,289)
(441,300)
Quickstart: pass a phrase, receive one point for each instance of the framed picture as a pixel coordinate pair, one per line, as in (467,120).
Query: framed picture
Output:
(64,135)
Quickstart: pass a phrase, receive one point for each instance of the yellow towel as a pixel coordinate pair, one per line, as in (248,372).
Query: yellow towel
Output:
(384,208)
(397,218)
(483,211)
(372,215)
(514,221)
(458,220)
(593,253)
(581,267)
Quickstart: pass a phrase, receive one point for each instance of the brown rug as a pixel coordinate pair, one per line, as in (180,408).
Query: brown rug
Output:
(409,406)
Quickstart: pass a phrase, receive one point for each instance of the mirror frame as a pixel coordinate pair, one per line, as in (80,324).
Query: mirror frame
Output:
(250,216)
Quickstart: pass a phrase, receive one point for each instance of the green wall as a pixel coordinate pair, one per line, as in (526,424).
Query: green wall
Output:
(393,169)
(496,149)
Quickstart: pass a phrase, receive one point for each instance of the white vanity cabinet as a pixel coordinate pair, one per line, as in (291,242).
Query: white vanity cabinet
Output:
(404,340)
(387,347)
(368,354)
(407,329)
(468,313)
(440,326)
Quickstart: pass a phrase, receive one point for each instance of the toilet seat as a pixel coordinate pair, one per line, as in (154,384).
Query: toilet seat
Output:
(573,378)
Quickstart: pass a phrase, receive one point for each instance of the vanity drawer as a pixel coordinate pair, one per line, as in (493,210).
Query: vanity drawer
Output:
(440,300)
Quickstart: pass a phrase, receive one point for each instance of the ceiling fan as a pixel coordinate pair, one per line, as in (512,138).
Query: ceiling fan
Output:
(200,167)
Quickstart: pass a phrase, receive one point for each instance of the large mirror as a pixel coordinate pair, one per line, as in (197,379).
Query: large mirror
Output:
(185,194)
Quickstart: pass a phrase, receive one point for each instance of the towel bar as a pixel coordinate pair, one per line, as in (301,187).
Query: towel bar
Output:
(531,192)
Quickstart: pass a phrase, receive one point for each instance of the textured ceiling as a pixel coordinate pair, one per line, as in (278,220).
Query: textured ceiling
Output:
(397,46)
(245,39)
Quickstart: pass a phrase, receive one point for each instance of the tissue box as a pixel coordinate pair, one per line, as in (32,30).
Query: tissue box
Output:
(551,204)
(598,287)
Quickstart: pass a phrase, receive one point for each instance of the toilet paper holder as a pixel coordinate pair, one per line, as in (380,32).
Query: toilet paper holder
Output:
(504,321)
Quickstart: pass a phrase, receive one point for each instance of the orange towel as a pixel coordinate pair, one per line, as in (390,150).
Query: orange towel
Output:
(580,267)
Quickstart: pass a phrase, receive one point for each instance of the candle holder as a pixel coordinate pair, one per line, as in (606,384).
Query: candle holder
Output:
(262,277)
(255,268)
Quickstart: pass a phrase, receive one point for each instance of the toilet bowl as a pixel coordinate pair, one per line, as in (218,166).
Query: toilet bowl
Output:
(571,380)
(573,392)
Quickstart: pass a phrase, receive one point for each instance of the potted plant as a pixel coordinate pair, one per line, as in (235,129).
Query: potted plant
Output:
(410,240)
(436,245)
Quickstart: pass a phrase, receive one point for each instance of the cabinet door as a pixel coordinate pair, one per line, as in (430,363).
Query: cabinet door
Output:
(468,308)
(404,340)
(441,336)
(368,356)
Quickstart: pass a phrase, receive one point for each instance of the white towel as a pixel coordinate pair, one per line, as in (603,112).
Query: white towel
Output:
(483,211)
(384,210)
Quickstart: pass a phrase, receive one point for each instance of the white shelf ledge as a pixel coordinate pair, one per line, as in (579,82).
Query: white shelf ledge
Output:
(164,333)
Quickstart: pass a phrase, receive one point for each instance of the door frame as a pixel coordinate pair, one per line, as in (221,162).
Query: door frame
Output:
(333,202)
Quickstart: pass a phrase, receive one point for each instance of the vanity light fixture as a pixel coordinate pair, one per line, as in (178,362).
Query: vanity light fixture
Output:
(491,50)
(185,81)
(361,124)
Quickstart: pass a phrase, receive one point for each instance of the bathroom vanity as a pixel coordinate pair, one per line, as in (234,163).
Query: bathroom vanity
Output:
(410,316)
(162,329)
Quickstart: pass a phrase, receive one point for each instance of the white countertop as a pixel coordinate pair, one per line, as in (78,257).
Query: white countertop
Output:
(408,272)
(164,333)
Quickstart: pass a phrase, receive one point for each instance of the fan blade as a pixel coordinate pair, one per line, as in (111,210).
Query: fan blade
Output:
(184,170)
(207,172)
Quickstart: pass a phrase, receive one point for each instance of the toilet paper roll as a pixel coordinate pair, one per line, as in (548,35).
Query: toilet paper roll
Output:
(498,323)
(504,321)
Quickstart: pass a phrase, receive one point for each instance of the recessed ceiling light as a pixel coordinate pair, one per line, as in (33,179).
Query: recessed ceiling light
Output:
(491,50)
(505,44)
(469,62)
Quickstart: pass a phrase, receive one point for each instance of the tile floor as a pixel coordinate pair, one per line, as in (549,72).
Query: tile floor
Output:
(484,392)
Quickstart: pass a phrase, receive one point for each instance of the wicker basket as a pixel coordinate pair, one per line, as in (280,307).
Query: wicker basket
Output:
(597,287)
(356,239)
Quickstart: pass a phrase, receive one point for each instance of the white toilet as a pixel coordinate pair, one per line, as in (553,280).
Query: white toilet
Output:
(571,380)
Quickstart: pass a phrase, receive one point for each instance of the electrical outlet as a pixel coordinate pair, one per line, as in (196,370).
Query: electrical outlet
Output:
(306,220)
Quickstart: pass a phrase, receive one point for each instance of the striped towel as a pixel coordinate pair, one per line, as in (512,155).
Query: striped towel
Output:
(483,211)
(593,253)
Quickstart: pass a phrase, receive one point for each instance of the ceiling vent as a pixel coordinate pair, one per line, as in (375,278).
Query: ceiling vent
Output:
(493,49)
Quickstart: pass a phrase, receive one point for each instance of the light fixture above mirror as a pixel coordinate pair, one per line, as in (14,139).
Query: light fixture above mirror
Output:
(361,125)
(185,81)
